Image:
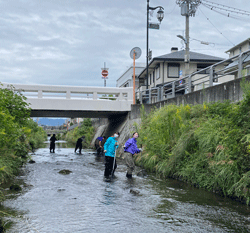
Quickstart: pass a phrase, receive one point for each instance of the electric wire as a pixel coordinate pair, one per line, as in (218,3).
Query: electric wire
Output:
(227,15)
(216,28)
(220,6)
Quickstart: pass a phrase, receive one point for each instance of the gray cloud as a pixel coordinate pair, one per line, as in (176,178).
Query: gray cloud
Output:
(67,42)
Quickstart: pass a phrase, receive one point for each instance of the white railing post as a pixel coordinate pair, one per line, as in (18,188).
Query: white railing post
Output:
(189,83)
(40,94)
(68,94)
(140,96)
(240,66)
(173,89)
(149,96)
(159,94)
(211,76)
(94,95)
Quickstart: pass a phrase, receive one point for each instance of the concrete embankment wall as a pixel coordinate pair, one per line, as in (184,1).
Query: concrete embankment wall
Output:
(126,124)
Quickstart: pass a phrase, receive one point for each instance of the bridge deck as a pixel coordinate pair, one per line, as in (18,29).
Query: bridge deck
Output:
(71,101)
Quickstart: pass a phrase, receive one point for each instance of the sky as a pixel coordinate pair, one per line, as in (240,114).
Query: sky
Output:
(67,42)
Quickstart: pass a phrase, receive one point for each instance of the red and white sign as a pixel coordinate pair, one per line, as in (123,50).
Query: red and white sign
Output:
(105,73)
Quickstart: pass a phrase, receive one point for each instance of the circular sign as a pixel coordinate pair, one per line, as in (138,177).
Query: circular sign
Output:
(105,73)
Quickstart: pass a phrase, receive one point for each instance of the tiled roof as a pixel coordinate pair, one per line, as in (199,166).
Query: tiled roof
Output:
(179,56)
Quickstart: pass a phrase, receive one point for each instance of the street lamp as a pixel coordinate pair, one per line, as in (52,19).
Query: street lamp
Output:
(181,37)
(160,16)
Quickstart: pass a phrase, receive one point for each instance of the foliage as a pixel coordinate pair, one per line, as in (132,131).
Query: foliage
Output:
(85,129)
(18,133)
(207,145)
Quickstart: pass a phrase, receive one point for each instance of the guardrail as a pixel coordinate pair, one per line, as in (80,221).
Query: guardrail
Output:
(72,92)
(226,70)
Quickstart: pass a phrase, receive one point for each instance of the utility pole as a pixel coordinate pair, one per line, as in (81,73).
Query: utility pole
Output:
(188,8)
(187,55)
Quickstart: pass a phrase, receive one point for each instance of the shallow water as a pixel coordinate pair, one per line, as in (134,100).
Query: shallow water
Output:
(84,201)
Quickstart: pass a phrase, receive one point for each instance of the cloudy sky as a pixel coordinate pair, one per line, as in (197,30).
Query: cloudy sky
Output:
(66,42)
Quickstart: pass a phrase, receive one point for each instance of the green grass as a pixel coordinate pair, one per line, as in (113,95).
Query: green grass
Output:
(206,145)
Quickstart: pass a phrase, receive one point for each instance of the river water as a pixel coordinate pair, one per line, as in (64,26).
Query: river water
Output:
(83,201)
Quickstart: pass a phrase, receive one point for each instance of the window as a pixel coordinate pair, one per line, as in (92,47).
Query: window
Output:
(203,66)
(150,78)
(157,73)
(173,70)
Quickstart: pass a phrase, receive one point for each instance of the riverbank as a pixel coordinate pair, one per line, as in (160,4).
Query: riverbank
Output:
(18,135)
(205,145)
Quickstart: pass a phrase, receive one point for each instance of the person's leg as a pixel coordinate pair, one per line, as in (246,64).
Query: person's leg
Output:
(107,166)
(130,164)
(98,151)
(76,148)
(80,149)
(54,146)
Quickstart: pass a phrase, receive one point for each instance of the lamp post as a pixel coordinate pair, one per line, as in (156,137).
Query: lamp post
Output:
(160,16)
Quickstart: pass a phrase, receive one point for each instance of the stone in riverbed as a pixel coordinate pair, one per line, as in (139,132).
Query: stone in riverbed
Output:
(65,172)
(15,187)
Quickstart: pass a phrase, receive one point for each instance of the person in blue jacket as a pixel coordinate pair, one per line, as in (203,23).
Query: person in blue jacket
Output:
(110,147)
(130,148)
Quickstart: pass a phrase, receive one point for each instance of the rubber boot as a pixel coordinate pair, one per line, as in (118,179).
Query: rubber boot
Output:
(129,176)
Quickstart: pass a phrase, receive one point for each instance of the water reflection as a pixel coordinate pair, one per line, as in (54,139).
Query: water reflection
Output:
(84,201)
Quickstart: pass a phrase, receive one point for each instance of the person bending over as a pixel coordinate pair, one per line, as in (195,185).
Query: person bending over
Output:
(130,148)
(79,144)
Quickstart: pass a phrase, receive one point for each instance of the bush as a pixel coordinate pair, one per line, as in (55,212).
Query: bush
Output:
(207,145)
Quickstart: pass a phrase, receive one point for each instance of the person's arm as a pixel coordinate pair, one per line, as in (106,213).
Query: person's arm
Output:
(100,143)
(127,144)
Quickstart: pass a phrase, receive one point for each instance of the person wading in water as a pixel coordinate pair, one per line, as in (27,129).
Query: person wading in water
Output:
(130,148)
(110,148)
(79,144)
(52,143)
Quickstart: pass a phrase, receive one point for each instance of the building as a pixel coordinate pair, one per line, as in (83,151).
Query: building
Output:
(169,67)
(126,79)
(242,47)
(239,48)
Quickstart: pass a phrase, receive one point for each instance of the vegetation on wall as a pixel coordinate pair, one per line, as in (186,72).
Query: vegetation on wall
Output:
(85,129)
(207,145)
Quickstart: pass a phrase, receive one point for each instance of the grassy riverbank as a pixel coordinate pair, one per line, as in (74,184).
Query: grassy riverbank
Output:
(206,145)
(18,135)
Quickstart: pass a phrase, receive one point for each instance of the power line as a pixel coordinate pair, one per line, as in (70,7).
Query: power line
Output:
(227,15)
(222,7)
(216,28)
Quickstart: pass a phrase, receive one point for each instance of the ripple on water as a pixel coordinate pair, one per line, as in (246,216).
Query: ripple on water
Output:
(83,201)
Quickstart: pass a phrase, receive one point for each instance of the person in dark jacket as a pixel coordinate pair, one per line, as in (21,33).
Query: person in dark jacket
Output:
(110,148)
(130,148)
(79,144)
(52,143)
(99,145)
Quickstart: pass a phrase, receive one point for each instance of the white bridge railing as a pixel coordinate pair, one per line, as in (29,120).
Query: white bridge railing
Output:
(75,98)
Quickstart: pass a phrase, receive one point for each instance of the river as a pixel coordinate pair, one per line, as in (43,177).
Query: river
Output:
(83,201)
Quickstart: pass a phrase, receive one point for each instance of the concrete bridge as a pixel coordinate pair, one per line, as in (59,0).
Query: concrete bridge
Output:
(72,101)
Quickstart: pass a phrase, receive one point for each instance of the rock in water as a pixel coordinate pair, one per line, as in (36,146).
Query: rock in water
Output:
(135,192)
(65,172)
(15,187)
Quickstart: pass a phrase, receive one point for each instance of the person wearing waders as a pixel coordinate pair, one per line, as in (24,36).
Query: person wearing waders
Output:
(130,148)
(110,148)
(99,145)
(52,143)
(79,144)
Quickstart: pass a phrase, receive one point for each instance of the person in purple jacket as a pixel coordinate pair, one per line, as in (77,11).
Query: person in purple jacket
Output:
(130,148)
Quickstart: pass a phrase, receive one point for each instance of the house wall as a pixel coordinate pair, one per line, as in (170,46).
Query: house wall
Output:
(244,47)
